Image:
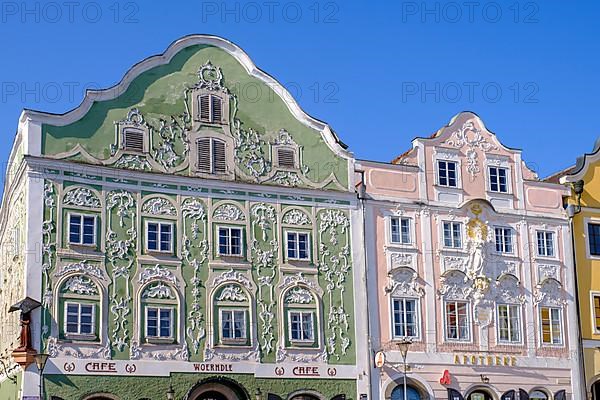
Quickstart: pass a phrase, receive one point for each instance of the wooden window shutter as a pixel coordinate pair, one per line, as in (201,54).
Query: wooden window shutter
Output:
(216,109)
(133,139)
(205,107)
(219,160)
(286,158)
(204,155)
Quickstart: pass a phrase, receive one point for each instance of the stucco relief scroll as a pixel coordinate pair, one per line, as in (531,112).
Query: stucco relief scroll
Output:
(470,136)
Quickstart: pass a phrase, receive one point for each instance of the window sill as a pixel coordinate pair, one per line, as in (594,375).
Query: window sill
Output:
(160,341)
(241,343)
(301,344)
(442,187)
(76,337)
(82,246)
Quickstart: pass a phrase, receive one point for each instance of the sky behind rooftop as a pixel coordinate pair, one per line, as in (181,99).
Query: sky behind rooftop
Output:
(380,73)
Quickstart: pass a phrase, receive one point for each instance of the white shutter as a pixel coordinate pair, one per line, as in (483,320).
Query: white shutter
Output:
(219,161)
(286,158)
(216,109)
(204,155)
(133,140)
(204,101)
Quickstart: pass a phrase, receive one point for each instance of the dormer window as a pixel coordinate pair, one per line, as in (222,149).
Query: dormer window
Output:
(211,108)
(211,156)
(133,140)
(286,157)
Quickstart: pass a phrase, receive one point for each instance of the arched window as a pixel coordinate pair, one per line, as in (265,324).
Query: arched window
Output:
(232,306)
(480,395)
(538,395)
(411,393)
(79,300)
(300,314)
(159,313)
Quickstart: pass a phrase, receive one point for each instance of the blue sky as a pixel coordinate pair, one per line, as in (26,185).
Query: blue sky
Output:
(380,73)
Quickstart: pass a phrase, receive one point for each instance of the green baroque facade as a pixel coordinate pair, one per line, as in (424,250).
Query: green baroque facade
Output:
(197,231)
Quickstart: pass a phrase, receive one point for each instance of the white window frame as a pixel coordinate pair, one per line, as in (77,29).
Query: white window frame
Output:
(391,232)
(233,340)
(310,312)
(457,171)
(160,224)
(297,247)
(511,237)
(469,339)
(82,215)
(160,308)
(560,324)
(545,232)
(519,329)
(460,230)
(489,179)
(229,228)
(79,333)
(417,334)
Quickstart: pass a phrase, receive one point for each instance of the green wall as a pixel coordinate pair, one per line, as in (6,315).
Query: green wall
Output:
(74,387)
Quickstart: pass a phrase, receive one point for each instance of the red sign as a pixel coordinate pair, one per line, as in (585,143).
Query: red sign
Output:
(445,379)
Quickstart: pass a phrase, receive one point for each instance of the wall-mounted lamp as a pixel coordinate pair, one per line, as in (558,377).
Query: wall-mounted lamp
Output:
(578,190)
(484,378)
(258,394)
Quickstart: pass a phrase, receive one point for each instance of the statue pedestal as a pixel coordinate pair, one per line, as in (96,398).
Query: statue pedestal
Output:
(24,357)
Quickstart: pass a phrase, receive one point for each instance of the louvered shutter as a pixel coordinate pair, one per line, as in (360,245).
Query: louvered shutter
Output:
(204,155)
(216,109)
(205,107)
(285,158)
(219,162)
(133,140)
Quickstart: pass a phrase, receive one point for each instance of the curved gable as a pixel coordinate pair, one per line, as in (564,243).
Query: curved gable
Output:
(158,99)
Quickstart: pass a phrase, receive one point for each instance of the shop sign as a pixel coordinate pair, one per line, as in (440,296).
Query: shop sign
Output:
(487,360)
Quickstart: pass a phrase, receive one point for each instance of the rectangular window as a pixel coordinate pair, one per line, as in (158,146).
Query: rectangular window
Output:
(545,243)
(79,318)
(596,299)
(133,140)
(498,181)
(230,241)
(159,236)
(400,230)
(509,323)
(159,322)
(594,239)
(504,243)
(211,108)
(453,235)
(405,317)
(457,320)
(297,246)
(301,326)
(447,173)
(233,324)
(212,157)
(551,325)
(82,229)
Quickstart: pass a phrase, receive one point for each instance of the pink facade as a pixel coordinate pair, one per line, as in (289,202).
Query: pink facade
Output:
(469,256)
